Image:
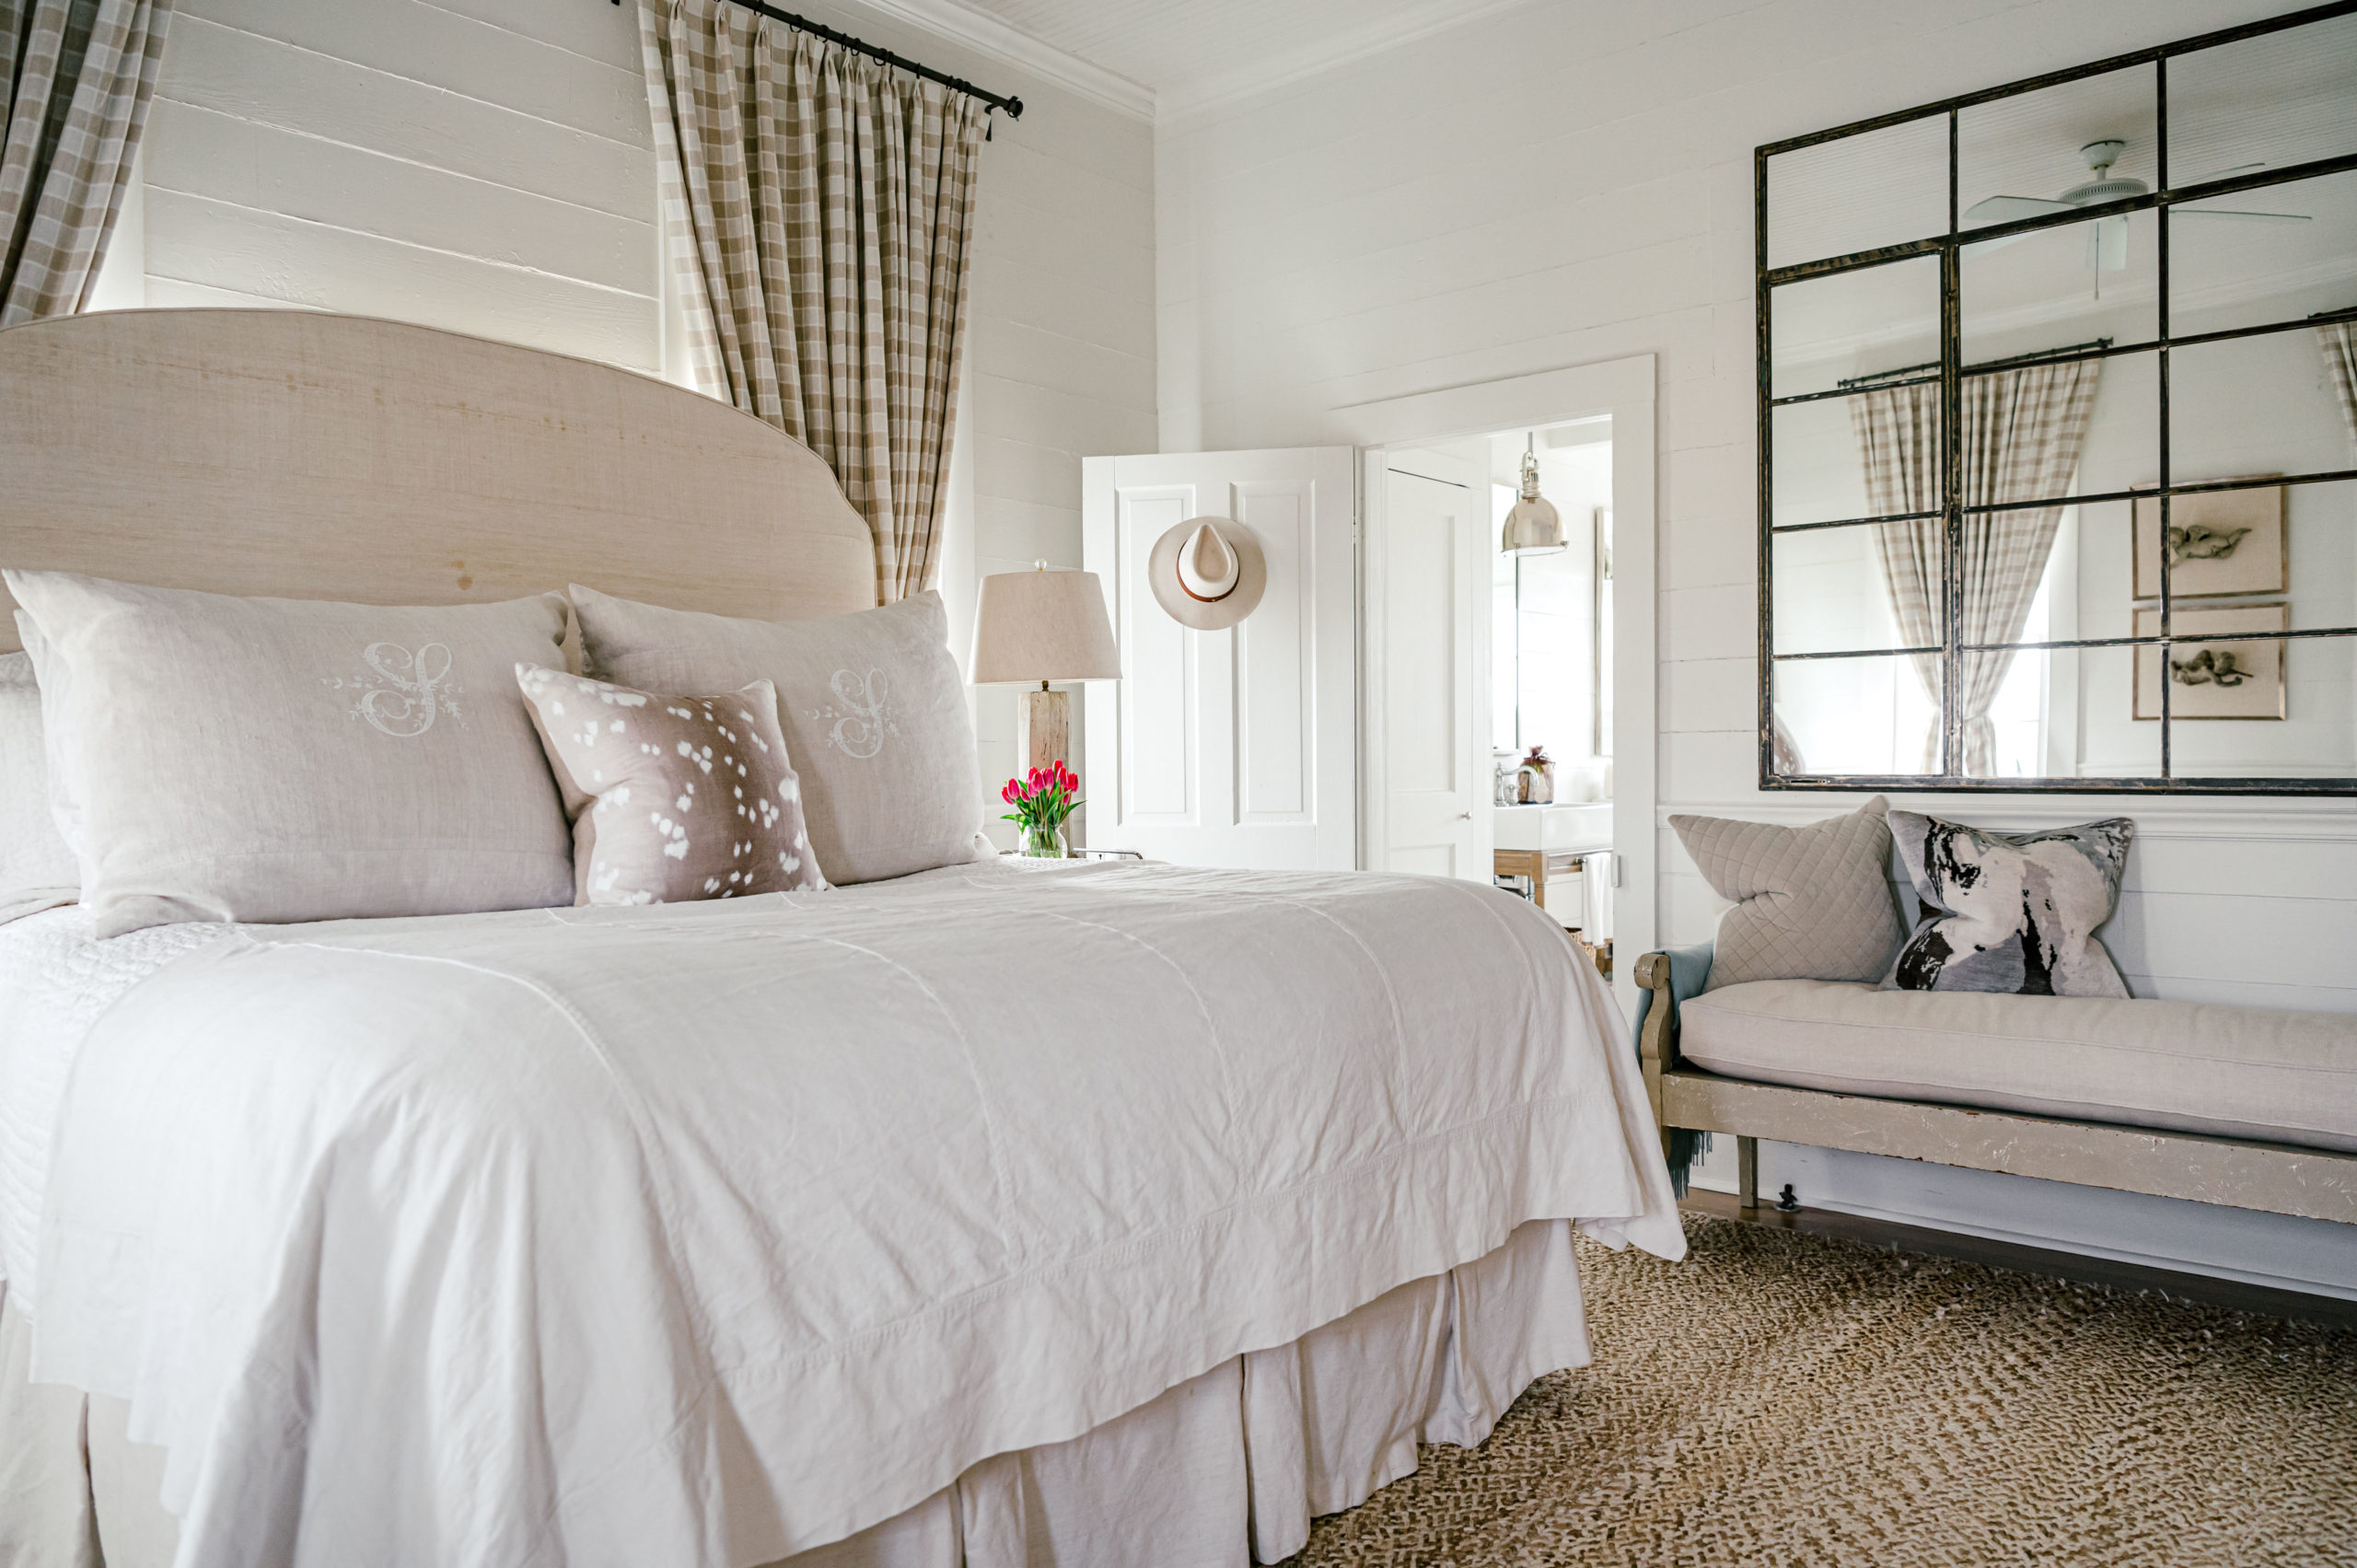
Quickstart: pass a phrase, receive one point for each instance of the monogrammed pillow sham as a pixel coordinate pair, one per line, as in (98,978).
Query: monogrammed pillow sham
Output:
(871,706)
(672,798)
(37,871)
(290,760)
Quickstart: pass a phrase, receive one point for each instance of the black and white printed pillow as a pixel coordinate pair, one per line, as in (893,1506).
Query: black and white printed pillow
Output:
(2013,912)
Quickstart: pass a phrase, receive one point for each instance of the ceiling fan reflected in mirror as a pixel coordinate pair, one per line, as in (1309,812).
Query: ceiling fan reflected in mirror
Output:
(2108,243)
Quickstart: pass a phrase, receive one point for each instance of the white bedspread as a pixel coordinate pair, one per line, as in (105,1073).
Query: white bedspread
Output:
(55,981)
(705,1234)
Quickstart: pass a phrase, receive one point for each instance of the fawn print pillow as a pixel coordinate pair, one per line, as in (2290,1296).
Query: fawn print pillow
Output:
(871,703)
(672,799)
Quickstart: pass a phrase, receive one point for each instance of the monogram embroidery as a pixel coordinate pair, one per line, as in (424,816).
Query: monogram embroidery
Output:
(409,691)
(861,715)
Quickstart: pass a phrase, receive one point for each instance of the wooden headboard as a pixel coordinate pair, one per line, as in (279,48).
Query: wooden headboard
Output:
(308,456)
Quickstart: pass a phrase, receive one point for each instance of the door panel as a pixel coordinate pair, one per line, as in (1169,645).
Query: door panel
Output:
(1157,766)
(1419,693)
(1274,669)
(1233,748)
(1427,639)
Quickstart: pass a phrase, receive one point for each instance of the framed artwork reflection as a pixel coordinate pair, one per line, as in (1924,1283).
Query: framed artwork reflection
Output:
(2219,542)
(2239,676)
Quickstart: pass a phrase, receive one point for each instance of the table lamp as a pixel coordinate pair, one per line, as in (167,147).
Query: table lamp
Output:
(1032,628)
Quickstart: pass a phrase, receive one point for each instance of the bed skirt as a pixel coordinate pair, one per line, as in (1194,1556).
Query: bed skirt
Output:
(1224,1470)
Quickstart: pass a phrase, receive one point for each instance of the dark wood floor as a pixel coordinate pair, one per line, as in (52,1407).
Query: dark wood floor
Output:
(1896,1238)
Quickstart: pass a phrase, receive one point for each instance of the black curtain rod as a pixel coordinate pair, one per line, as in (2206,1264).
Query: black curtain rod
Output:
(1013,106)
(2066,351)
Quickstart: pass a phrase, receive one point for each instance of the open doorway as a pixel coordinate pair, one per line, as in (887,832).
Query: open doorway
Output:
(1551,661)
(1508,684)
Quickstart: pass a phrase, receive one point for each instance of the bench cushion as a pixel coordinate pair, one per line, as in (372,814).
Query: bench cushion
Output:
(2184,1066)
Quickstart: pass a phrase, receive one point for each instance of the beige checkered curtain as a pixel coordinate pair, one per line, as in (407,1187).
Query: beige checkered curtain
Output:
(2023,430)
(820,210)
(1898,441)
(75,76)
(2338,341)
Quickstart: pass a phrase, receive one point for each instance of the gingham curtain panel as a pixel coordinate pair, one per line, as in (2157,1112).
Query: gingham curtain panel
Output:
(819,208)
(75,77)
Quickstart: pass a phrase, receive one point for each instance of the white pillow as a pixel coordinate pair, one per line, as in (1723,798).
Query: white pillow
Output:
(37,871)
(871,705)
(292,759)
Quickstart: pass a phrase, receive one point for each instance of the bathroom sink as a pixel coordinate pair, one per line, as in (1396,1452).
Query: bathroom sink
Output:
(1577,829)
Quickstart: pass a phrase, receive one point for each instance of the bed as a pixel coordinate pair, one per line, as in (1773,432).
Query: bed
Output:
(997,1213)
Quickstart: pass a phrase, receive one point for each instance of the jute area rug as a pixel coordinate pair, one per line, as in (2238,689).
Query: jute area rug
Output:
(1784,1398)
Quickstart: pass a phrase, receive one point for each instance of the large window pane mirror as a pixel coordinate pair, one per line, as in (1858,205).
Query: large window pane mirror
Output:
(2058,430)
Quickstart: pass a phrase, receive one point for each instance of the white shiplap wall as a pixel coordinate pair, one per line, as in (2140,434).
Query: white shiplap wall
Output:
(482,165)
(1570,182)
(487,166)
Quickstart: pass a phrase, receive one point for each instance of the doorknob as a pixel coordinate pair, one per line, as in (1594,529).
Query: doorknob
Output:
(1465,816)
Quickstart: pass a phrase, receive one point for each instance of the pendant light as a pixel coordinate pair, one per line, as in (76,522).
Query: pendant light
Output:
(1534,527)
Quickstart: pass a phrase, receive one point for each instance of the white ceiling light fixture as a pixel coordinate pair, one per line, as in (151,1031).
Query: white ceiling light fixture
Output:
(1534,527)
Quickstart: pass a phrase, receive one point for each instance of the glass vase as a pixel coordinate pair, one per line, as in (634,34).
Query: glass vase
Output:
(1045,840)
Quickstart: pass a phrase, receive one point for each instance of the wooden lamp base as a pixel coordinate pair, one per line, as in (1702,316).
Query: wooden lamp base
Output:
(1042,727)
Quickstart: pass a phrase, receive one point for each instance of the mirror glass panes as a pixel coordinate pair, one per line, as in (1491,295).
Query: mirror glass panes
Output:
(2074,145)
(2120,448)
(1865,718)
(2069,714)
(2258,707)
(1834,588)
(1820,475)
(2154,582)
(2054,288)
(2261,404)
(2263,103)
(2276,253)
(1826,330)
(2316,559)
(1861,192)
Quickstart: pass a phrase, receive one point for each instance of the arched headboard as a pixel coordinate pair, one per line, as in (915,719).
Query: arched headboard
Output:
(306,456)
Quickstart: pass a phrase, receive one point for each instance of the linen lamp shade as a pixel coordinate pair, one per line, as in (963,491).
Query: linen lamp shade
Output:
(1039,626)
(1035,627)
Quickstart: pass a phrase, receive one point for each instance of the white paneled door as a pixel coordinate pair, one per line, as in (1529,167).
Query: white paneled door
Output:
(1234,747)
(1427,544)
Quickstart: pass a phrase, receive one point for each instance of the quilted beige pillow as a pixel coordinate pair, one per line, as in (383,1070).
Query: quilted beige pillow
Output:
(871,705)
(295,760)
(1810,904)
(672,798)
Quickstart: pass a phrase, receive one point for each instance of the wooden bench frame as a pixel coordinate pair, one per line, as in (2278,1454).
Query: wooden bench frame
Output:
(2282,1179)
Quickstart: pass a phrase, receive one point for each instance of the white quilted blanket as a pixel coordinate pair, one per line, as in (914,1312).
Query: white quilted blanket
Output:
(706,1233)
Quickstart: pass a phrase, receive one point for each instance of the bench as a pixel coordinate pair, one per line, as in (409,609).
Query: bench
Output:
(2245,1106)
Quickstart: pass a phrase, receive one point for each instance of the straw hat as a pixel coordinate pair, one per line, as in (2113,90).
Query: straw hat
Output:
(1208,573)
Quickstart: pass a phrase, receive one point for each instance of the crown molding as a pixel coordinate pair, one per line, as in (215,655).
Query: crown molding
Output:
(987,35)
(1196,99)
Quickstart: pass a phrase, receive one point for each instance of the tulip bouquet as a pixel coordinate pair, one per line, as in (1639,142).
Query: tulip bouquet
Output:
(1041,802)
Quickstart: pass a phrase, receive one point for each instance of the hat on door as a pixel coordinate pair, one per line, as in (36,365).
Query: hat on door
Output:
(1208,573)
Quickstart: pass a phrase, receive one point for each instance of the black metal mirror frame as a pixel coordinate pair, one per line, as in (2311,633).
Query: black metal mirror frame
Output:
(1947,249)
